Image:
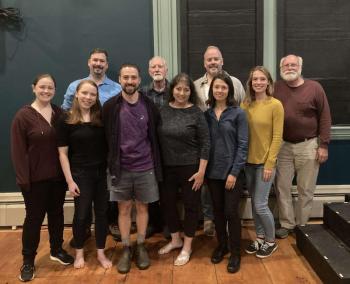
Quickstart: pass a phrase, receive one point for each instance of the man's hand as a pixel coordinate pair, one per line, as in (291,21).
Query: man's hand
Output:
(321,155)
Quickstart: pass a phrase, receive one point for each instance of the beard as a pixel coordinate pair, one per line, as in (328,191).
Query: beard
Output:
(97,70)
(157,77)
(130,89)
(214,69)
(290,75)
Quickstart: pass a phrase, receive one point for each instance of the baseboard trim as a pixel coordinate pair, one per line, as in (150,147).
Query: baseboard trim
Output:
(12,209)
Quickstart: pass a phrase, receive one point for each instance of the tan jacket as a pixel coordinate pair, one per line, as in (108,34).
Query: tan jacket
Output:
(203,95)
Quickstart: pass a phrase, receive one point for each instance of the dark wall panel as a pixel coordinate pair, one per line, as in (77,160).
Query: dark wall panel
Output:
(234,26)
(319,31)
(56,37)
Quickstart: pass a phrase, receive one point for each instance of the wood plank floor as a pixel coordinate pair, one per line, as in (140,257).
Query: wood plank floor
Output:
(286,265)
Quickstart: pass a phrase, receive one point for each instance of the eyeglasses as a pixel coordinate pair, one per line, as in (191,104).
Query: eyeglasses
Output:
(292,65)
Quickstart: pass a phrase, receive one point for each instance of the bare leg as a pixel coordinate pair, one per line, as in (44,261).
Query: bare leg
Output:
(101,257)
(141,217)
(79,261)
(124,219)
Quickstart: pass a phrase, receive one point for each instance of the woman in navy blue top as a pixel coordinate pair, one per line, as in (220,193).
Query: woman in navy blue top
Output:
(228,130)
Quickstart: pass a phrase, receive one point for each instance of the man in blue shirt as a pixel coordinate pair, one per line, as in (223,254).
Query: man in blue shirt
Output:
(98,65)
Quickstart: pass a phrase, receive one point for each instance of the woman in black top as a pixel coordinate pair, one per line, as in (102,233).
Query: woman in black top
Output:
(38,173)
(228,129)
(184,141)
(83,151)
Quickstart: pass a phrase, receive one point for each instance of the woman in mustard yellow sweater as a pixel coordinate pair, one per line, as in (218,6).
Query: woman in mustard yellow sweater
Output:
(265,119)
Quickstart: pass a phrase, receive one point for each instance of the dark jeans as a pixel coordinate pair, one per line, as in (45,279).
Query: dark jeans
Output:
(43,197)
(226,213)
(176,177)
(93,189)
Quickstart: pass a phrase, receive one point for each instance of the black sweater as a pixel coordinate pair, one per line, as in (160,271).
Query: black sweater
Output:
(184,136)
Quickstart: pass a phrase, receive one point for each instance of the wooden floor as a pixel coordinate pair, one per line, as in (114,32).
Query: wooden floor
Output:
(286,265)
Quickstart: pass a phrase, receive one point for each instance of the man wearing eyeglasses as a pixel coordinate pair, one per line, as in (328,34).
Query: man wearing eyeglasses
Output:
(306,135)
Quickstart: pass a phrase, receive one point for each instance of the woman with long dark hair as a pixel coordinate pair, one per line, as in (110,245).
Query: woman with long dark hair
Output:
(184,141)
(228,130)
(38,174)
(83,153)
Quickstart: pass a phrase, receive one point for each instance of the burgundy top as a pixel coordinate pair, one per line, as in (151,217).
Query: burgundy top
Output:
(33,147)
(306,112)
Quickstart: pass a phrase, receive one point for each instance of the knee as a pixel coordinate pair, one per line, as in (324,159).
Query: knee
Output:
(125,208)
(141,208)
(232,214)
(260,207)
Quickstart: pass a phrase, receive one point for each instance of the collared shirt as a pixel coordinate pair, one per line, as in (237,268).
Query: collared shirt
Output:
(307,112)
(202,88)
(159,98)
(228,142)
(106,90)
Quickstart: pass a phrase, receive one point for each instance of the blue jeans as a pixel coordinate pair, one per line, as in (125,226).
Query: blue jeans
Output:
(207,204)
(259,191)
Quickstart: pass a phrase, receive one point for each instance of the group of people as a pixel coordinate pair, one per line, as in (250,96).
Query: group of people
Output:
(144,146)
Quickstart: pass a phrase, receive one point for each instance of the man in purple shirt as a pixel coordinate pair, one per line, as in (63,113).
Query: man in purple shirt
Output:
(306,135)
(130,121)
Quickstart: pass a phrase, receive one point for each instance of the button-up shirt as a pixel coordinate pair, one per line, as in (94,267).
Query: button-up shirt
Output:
(159,98)
(106,90)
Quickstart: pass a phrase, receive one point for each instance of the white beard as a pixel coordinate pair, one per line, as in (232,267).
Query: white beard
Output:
(290,76)
(158,77)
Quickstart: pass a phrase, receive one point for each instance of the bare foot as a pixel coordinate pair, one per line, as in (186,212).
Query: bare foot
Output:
(101,257)
(79,261)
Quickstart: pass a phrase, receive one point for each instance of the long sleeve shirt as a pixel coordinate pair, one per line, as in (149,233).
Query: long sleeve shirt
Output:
(307,112)
(34,147)
(184,136)
(106,90)
(265,121)
(228,142)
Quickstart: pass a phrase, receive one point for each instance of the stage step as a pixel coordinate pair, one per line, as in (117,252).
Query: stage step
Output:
(327,255)
(336,216)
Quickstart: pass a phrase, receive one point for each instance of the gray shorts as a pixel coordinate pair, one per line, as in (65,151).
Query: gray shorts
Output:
(140,186)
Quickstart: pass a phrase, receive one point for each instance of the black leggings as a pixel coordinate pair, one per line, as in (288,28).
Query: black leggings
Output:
(43,197)
(176,177)
(93,189)
(226,213)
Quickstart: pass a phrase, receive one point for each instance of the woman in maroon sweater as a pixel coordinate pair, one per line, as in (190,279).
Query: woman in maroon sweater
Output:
(38,174)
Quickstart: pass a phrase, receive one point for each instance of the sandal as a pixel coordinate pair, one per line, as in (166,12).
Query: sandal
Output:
(182,258)
(169,247)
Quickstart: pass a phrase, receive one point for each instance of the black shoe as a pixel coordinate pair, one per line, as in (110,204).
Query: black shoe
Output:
(219,253)
(115,232)
(266,250)
(150,231)
(142,259)
(87,236)
(166,233)
(27,272)
(62,257)
(234,263)
(124,262)
(253,247)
